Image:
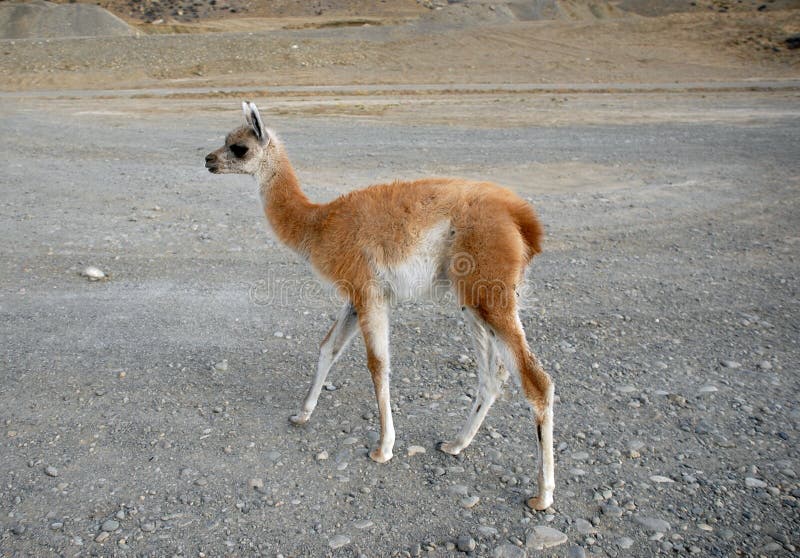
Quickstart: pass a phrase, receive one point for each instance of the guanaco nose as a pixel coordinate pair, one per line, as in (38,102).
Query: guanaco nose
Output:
(210,157)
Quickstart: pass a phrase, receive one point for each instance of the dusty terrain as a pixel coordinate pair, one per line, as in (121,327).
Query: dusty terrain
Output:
(146,415)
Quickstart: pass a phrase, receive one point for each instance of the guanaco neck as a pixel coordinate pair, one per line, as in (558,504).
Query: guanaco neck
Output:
(289,212)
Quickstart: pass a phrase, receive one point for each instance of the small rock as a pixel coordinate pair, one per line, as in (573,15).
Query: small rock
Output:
(363,524)
(278,334)
(93,273)
(708,389)
(576,551)
(256,484)
(187,472)
(652,523)
(56,525)
(661,479)
(338,541)
(626,389)
(611,510)
(349,441)
(322,456)
(414,450)
(148,527)
(110,525)
(487,531)
(765,365)
(51,471)
(221,366)
(459,490)
(580,456)
(625,542)
(509,551)
(730,364)
(584,527)
(465,543)
(470,502)
(543,537)
(18,529)
(751,482)
(101,537)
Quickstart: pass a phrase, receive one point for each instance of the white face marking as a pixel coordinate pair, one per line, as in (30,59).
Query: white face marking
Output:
(423,274)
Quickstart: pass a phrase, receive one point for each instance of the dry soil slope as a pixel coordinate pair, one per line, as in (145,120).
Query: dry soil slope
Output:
(39,19)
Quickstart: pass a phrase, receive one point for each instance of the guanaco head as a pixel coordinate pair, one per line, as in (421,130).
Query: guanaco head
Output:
(247,149)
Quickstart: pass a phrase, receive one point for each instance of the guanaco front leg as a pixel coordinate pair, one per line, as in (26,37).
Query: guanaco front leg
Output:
(339,336)
(374,321)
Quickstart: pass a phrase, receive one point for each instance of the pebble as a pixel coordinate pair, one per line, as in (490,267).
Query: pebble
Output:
(625,542)
(338,541)
(751,482)
(110,525)
(256,484)
(188,472)
(101,537)
(661,479)
(626,389)
(730,364)
(465,543)
(221,366)
(765,365)
(18,529)
(349,441)
(584,527)
(51,471)
(580,456)
(611,510)
(322,456)
(652,523)
(509,551)
(94,273)
(56,525)
(487,531)
(414,450)
(576,551)
(148,527)
(708,389)
(543,537)
(459,490)
(470,502)
(363,524)
(278,334)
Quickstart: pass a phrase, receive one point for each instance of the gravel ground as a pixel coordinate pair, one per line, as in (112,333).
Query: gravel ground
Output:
(147,414)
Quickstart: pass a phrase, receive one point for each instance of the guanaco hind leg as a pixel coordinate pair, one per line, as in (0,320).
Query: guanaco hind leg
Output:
(336,341)
(538,389)
(491,376)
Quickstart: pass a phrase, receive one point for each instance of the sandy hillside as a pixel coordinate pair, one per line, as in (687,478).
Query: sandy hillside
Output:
(243,43)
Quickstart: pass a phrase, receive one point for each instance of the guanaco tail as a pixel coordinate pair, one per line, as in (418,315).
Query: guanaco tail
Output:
(399,241)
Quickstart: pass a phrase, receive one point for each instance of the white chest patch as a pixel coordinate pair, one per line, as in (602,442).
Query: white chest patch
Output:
(424,273)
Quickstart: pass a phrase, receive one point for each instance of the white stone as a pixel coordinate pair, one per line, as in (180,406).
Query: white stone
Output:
(543,537)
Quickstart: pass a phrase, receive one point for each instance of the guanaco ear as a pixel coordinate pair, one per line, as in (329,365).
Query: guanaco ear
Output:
(253,118)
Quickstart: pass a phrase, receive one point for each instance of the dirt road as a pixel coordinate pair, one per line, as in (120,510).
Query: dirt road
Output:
(147,414)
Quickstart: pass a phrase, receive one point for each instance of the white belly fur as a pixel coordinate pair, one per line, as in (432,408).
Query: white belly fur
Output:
(424,274)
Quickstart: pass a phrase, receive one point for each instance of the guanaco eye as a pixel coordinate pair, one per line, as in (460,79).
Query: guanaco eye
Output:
(239,151)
